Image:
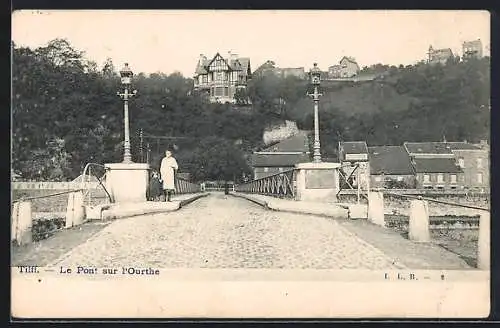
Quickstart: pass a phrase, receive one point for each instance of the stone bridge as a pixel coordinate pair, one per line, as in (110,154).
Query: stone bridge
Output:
(224,231)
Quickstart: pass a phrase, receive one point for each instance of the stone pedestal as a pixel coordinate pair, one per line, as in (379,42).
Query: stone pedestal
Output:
(317,181)
(127,182)
(22,223)
(376,208)
(75,211)
(418,228)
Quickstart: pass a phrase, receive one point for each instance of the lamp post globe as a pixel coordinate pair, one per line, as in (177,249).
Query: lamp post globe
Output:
(315,75)
(315,79)
(126,75)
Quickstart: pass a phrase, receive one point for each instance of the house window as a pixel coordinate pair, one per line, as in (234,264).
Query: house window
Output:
(479,163)
(205,78)
(266,169)
(461,162)
(427,178)
(453,178)
(440,178)
(219,91)
(226,92)
(479,178)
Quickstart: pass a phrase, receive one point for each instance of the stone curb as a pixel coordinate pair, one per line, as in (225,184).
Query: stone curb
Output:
(252,199)
(112,214)
(277,207)
(192,199)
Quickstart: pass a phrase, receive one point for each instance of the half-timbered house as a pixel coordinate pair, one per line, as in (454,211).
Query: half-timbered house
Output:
(221,77)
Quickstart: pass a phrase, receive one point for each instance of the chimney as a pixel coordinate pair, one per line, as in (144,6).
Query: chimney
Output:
(231,56)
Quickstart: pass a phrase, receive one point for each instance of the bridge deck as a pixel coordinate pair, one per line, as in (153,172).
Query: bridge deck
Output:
(221,231)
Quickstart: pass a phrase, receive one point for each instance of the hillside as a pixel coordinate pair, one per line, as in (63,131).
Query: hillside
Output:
(79,118)
(354,98)
(413,103)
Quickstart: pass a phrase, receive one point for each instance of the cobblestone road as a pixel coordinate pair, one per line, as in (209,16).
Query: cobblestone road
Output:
(226,232)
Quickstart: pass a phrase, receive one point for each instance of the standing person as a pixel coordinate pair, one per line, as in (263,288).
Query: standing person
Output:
(155,189)
(168,168)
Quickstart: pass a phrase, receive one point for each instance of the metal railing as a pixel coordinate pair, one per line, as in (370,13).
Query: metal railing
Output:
(41,212)
(421,220)
(432,200)
(185,187)
(25,198)
(88,187)
(280,185)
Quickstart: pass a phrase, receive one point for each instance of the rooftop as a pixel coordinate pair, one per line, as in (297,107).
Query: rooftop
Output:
(354,147)
(278,160)
(427,148)
(461,146)
(436,165)
(235,63)
(473,43)
(391,160)
(348,58)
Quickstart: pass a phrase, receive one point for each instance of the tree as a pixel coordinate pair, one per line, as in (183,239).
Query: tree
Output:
(214,159)
(57,94)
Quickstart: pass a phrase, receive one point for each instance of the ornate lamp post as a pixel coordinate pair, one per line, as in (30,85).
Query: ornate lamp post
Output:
(126,79)
(315,76)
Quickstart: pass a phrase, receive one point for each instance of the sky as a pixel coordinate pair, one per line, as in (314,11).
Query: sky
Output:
(172,40)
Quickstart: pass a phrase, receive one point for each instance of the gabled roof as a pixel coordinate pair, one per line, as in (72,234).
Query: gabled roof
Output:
(427,148)
(351,59)
(241,64)
(354,147)
(201,66)
(218,55)
(436,165)
(445,51)
(295,143)
(390,160)
(245,65)
(235,65)
(278,160)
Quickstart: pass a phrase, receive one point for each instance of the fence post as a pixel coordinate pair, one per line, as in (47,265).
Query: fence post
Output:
(483,249)
(14,221)
(22,223)
(75,212)
(418,228)
(376,207)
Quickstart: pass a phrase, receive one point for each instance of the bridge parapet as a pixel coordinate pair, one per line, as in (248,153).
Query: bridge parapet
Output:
(183,186)
(424,214)
(281,185)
